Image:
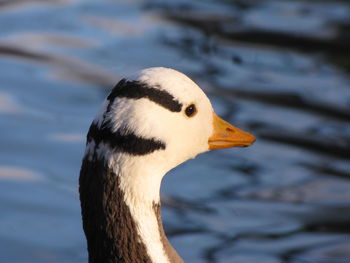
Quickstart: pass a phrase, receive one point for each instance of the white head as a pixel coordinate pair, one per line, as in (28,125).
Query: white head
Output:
(167,107)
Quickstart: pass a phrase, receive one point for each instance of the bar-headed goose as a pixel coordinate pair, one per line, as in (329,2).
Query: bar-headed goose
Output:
(149,123)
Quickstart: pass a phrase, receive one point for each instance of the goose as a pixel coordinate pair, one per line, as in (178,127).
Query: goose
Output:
(151,122)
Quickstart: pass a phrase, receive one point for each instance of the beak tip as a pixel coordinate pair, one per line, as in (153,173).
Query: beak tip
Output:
(252,140)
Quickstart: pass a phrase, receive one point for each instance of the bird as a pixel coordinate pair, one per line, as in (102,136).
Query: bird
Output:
(151,121)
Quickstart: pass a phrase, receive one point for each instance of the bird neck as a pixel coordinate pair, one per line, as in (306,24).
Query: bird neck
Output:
(121,213)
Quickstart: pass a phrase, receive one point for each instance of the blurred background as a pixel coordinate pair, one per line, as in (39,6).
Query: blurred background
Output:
(279,69)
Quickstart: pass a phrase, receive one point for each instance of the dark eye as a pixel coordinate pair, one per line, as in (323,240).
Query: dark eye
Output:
(191,110)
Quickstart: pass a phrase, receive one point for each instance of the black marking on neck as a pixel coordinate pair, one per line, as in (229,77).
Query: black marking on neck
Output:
(138,90)
(110,230)
(128,143)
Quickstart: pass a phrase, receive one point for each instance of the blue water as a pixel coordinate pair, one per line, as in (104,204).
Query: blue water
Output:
(279,69)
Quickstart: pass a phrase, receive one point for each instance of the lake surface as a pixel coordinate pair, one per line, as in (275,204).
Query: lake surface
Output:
(279,69)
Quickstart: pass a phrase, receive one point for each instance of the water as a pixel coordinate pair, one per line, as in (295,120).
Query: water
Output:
(279,69)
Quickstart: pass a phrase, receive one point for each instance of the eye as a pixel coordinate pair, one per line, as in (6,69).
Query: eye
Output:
(191,110)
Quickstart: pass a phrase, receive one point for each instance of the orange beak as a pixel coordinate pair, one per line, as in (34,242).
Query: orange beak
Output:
(225,135)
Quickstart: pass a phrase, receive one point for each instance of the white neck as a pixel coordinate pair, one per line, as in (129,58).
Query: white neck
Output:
(140,183)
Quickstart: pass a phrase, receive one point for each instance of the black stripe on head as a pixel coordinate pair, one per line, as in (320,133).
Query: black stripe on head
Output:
(138,90)
(128,143)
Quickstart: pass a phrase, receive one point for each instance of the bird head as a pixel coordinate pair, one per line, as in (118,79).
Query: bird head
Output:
(161,114)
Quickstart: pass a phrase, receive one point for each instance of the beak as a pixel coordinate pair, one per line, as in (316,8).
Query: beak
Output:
(225,135)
